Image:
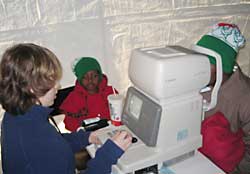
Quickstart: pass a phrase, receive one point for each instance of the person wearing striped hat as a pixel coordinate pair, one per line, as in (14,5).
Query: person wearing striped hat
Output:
(234,94)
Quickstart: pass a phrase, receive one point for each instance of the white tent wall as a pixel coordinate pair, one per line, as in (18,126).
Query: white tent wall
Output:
(132,24)
(110,29)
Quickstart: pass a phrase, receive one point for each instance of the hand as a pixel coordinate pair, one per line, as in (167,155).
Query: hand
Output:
(122,139)
(93,138)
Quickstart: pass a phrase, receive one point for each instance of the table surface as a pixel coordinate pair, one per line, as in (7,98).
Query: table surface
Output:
(197,164)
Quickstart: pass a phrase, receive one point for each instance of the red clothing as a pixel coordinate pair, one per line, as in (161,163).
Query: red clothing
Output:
(224,147)
(80,105)
(233,101)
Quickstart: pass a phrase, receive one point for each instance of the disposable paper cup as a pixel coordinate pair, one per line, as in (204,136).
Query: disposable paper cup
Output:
(115,108)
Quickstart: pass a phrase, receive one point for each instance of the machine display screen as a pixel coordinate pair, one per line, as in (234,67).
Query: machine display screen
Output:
(142,116)
(135,105)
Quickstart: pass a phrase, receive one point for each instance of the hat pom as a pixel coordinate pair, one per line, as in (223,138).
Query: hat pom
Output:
(230,34)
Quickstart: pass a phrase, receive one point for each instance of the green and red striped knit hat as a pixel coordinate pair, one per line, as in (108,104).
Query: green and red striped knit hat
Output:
(226,40)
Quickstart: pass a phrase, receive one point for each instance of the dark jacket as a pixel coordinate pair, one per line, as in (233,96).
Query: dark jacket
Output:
(31,145)
(233,101)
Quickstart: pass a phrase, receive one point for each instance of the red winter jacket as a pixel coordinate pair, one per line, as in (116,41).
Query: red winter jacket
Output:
(80,105)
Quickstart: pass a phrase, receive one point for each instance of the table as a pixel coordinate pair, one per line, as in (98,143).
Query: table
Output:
(198,164)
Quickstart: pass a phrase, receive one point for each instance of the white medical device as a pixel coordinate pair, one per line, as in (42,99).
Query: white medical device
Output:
(164,108)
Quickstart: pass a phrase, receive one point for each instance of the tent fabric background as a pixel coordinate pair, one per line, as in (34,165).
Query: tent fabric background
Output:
(110,29)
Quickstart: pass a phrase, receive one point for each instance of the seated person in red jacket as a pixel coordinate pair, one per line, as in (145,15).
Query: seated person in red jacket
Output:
(89,97)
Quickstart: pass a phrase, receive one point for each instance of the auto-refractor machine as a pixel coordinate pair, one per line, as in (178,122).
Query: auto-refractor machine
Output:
(164,108)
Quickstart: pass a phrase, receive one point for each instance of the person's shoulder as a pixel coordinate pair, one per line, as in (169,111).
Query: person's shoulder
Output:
(104,82)
(76,92)
(78,89)
(241,85)
(105,78)
(243,78)
(106,88)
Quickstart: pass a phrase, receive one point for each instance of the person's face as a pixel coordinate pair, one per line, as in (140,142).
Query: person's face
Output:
(213,74)
(225,76)
(90,81)
(49,97)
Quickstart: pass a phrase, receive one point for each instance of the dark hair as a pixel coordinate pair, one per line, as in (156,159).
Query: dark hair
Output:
(27,72)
